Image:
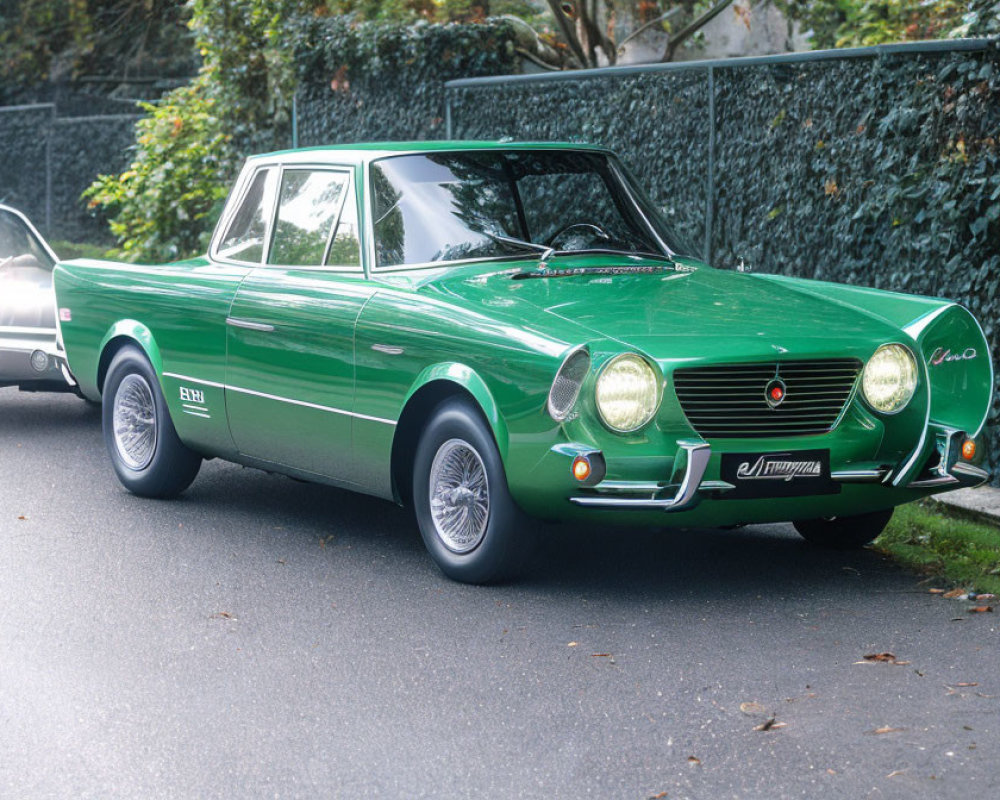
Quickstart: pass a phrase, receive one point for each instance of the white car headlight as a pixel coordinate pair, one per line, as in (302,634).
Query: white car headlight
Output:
(628,393)
(889,379)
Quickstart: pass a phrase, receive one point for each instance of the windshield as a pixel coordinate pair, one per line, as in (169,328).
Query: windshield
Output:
(19,245)
(493,204)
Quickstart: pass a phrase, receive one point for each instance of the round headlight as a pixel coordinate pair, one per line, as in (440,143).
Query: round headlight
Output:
(889,379)
(628,393)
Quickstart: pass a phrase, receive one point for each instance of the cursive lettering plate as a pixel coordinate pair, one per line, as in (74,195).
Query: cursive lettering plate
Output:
(795,473)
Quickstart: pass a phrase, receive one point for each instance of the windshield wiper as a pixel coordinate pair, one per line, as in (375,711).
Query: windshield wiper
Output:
(544,249)
(612,251)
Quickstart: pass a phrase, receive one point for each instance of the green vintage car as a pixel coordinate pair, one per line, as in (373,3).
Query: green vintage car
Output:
(488,331)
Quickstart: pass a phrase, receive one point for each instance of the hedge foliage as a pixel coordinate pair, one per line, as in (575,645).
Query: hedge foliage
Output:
(879,171)
(375,81)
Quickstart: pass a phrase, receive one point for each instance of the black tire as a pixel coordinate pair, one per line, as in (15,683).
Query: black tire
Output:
(492,539)
(152,462)
(844,533)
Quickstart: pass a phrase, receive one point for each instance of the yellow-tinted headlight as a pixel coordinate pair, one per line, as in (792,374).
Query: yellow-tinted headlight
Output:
(890,378)
(628,393)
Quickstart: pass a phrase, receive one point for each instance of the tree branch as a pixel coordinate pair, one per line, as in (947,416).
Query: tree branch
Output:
(685,32)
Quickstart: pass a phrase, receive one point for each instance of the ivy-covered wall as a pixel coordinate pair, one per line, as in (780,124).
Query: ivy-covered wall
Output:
(373,81)
(48,160)
(878,167)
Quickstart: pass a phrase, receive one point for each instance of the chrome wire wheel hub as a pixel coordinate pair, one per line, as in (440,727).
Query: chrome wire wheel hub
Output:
(134,422)
(459,496)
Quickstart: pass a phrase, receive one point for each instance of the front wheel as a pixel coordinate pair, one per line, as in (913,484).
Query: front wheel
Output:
(469,523)
(146,453)
(844,533)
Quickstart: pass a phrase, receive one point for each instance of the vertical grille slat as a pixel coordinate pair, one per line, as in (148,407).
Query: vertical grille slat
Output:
(728,401)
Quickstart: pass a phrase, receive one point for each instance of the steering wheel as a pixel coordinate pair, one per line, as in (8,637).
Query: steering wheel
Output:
(595,231)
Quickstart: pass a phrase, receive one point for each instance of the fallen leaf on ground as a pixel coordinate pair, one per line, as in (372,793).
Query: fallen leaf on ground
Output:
(753,707)
(880,657)
(223,615)
(954,593)
(981,609)
(659,796)
(887,729)
(986,596)
(572,644)
(21,516)
(770,725)
(894,773)
(936,591)
(967,684)
(694,760)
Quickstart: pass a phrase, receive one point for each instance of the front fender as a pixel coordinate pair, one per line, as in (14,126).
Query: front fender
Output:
(470,380)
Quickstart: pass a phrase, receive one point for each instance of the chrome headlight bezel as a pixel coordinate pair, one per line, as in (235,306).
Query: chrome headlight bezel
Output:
(655,385)
(577,361)
(910,377)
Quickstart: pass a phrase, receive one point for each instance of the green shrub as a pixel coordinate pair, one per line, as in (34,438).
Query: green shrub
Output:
(163,206)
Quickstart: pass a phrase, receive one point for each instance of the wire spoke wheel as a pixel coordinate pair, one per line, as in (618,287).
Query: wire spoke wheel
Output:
(135,422)
(459,496)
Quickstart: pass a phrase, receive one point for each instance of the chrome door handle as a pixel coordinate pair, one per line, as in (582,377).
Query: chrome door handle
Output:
(250,326)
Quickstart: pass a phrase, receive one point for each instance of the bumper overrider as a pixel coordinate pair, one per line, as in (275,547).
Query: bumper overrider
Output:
(937,463)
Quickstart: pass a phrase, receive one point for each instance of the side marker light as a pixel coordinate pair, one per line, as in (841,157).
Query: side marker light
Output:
(581,468)
(969,449)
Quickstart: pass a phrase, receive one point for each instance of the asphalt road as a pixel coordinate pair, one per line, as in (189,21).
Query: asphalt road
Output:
(266,638)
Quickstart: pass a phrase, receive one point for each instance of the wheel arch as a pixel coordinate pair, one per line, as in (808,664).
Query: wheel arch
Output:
(122,333)
(433,386)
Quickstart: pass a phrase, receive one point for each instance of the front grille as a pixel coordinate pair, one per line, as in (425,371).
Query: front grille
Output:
(728,401)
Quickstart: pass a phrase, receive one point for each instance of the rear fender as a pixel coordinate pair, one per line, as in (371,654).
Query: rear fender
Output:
(127,331)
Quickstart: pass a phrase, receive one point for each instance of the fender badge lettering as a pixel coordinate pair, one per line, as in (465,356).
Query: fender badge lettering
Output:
(942,354)
(192,395)
(768,468)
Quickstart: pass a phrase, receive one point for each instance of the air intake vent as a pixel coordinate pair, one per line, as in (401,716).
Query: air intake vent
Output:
(730,401)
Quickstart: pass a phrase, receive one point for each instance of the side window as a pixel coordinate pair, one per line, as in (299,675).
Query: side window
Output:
(308,205)
(244,240)
(345,250)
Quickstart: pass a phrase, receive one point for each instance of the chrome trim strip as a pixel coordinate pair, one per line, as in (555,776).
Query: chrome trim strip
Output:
(197,414)
(280,399)
(630,487)
(716,486)
(859,475)
(697,461)
(15,329)
(303,403)
(971,471)
(944,480)
(248,325)
(388,349)
(203,382)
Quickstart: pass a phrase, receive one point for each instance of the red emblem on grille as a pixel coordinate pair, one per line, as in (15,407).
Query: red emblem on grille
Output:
(775,392)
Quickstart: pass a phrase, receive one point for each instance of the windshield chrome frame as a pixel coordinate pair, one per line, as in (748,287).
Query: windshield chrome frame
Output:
(612,161)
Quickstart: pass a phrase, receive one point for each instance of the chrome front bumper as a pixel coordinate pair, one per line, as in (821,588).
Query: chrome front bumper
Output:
(687,486)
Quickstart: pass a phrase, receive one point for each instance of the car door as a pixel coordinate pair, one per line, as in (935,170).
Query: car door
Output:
(290,359)
(27,302)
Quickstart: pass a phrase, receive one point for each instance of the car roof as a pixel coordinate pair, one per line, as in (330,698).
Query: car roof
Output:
(369,151)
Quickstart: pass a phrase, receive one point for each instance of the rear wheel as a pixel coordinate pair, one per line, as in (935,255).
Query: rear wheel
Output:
(844,533)
(146,453)
(469,523)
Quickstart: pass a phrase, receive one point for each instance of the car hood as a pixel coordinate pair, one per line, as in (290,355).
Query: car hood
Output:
(692,313)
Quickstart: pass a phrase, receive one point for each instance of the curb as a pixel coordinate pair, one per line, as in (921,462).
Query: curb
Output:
(982,502)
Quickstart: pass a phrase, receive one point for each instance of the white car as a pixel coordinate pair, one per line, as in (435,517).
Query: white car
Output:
(30,354)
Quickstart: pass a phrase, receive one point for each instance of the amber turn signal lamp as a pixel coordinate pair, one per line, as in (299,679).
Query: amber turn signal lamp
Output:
(581,468)
(969,449)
